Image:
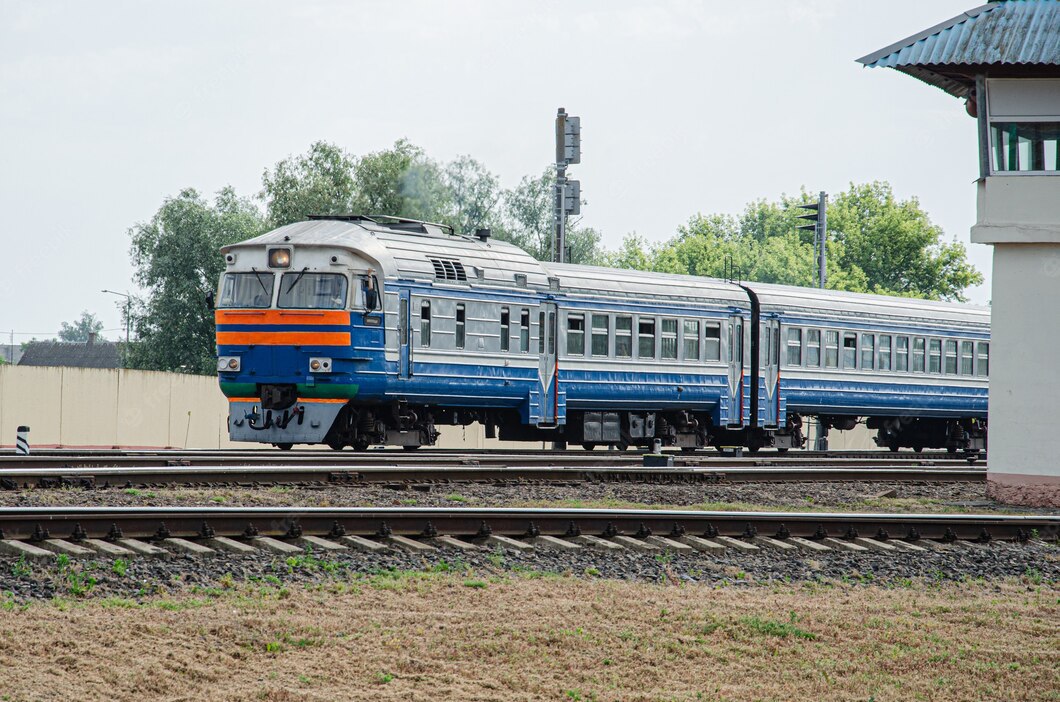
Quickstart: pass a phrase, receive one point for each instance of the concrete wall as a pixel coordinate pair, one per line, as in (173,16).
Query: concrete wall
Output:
(92,407)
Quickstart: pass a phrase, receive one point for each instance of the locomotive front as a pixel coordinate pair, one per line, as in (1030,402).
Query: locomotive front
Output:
(298,324)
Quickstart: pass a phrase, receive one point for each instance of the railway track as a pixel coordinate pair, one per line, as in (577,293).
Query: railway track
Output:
(329,474)
(42,532)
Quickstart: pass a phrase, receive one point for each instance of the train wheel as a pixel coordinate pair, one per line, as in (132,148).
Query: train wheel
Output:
(951,449)
(336,445)
(360,444)
(918,449)
(783,449)
(285,446)
(893,446)
(411,448)
(588,446)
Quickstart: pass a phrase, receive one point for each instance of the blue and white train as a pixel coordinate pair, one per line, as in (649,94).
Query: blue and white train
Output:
(354,331)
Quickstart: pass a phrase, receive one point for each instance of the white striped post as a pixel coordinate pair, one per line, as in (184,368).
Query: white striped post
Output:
(22,441)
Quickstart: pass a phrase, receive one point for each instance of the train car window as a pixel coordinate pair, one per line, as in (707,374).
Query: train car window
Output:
(918,355)
(850,350)
(795,347)
(646,337)
(934,356)
(831,349)
(739,342)
(623,337)
(711,341)
(461,325)
(690,341)
(668,339)
(540,332)
(983,359)
(575,334)
(552,333)
(868,351)
(425,323)
(967,358)
(766,340)
(601,327)
(883,353)
(901,354)
(246,290)
(524,330)
(312,291)
(403,322)
(813,348)
(951,357)
(732,342)
(506,323)
(776,346)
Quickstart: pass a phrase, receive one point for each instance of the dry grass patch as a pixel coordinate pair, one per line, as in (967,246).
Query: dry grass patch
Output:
(407,636)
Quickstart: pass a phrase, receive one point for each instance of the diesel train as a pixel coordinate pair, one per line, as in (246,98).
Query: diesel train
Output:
(359,331)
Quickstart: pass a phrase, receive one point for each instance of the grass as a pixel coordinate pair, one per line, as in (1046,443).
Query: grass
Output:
(544,638)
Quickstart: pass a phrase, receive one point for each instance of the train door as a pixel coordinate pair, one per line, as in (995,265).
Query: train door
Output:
(547,364)
(735,357)
(770,342)
(404,334)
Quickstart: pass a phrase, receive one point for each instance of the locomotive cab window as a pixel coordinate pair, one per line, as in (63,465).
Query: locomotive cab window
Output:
(575,335)
(312,291)
(600,330)
(246,290)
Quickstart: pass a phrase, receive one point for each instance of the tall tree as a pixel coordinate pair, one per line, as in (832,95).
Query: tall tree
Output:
(176,261)
(319,182)
(81,329)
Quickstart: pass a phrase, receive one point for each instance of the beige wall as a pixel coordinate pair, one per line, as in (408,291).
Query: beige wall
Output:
(103,408)
(81,407)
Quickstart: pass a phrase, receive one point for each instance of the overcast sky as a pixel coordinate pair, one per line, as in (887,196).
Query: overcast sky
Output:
(107,108)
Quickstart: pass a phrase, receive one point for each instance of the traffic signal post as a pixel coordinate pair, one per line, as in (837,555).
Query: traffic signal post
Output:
(568,192)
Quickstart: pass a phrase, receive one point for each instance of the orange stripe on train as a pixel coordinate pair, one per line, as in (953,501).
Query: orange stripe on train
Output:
(281,317)
(283,338)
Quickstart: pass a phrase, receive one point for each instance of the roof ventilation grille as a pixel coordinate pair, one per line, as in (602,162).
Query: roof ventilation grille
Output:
(445,269)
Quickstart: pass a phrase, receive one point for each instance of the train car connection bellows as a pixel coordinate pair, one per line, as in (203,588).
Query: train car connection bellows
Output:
(22,441)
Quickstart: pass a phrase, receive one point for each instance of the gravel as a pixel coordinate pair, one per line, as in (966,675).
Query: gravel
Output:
(813,496)
(1034,563)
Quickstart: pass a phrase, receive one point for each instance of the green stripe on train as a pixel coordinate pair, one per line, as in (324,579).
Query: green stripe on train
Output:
(323,391)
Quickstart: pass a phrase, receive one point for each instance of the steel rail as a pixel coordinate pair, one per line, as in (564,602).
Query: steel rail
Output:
(27,523)
(117,477)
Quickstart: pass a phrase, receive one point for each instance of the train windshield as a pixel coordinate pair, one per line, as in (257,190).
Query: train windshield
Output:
(252,290)
(312,291)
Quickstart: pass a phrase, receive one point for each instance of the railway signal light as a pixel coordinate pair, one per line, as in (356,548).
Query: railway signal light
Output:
(572,197)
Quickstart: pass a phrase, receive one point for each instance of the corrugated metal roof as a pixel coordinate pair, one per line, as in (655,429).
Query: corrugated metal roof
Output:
(1011,32)
(100,354)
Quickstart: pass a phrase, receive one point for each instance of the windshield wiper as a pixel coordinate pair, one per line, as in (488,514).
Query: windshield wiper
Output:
(261,282)
(296,279)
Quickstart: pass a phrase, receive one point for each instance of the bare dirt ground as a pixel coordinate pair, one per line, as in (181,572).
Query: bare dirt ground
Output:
(418,636)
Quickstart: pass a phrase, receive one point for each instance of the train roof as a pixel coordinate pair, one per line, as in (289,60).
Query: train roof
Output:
(644,284)
(838,304)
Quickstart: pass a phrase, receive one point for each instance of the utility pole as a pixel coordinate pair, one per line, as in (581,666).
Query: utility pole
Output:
(819,219)
(568,192)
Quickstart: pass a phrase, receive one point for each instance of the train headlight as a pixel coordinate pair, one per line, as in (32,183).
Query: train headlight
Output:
(228,363)
(320,365)
(279,258)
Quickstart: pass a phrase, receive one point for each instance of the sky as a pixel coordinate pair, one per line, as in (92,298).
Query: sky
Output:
(108,108)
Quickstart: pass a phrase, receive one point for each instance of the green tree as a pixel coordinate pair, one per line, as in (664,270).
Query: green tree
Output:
(319,182)
(876,244)
(176,261)
(81,328)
